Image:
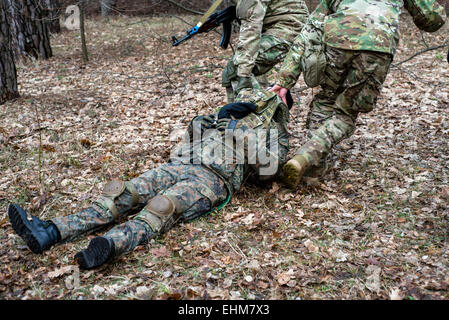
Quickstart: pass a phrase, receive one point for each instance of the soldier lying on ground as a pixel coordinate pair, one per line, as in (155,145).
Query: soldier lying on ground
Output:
(360,40)
(203,173)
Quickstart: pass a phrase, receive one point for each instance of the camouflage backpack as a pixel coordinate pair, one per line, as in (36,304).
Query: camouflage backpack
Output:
(313,61)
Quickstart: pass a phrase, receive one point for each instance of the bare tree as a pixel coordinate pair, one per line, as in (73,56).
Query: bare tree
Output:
(51,10)
(28,27)
(106,6)
(82,31)
(8,74)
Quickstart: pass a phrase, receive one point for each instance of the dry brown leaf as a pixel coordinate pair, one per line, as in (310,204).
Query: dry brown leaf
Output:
(61,271)
(160,252)
(283,278)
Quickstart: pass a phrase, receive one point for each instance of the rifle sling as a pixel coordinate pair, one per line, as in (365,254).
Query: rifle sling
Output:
(209,12)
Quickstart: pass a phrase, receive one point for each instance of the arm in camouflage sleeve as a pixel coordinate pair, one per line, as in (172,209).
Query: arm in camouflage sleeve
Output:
(291,69)
(427,15)
(252,14)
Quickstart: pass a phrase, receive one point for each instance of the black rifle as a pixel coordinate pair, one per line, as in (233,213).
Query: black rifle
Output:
(224,17)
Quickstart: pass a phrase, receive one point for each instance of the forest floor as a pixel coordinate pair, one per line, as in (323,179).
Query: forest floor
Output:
(376,228)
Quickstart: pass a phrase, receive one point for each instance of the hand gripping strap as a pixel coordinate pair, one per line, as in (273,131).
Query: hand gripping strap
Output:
(114,189)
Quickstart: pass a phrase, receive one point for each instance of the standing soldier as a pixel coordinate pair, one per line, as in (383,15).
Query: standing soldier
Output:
(359,41)
(268,29)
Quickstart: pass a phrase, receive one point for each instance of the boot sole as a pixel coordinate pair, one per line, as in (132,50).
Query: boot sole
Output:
(291,175)
(97,253)
(16,216)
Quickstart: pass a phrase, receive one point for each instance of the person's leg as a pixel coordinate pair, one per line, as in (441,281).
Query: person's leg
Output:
(357,93)
(186,200)
(229,75)
(322,107)
(272,51)
(118,199)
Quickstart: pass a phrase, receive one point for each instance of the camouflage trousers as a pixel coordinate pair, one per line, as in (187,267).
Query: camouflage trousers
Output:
(272,51)
(196,189)
(353,81)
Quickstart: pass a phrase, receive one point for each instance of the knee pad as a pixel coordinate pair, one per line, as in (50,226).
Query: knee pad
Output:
(112,190)
(161,213)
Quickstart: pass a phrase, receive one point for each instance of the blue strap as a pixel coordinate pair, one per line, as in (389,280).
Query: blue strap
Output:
(232,124)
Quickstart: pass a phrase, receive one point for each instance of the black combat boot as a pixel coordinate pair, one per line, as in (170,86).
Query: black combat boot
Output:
(39,235)
(99,251)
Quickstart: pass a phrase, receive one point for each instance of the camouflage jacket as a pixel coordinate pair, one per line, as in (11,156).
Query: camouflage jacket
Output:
(282,19)
(371,25)
(227,153)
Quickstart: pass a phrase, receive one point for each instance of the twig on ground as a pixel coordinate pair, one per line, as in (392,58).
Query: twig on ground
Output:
(40,142)
(421,52)
(423,39)
(414,76)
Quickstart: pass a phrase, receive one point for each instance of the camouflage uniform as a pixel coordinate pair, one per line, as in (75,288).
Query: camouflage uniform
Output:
(361,37)
(196,189)
(267,31)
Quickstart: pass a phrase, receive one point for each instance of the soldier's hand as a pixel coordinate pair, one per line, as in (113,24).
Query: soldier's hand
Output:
(281,92)
(223,124)
(201,123)
(207,121)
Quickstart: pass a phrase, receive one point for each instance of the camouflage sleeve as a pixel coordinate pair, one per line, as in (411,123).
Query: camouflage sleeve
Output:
(252,14)
(291,68)
(427,15)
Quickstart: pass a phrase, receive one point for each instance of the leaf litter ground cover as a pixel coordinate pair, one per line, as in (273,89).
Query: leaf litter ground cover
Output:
(376,228)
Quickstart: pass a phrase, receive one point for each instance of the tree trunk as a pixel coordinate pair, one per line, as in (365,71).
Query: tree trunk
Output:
(82,31)
(8,74)
(29,29)
(51,10)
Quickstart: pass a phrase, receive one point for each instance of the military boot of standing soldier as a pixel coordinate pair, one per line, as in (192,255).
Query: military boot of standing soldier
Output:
(267,31)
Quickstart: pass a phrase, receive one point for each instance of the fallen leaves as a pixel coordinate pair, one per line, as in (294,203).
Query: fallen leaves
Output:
(373,229)
(372,281)
(160,252)
(286,278)
(395,294)
(253,265)
(62,271)
(311,247)
(143,292)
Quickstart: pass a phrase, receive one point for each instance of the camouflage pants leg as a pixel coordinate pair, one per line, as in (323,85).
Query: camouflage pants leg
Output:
(147,185)
(272,51)
(353,80)
(197,191)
